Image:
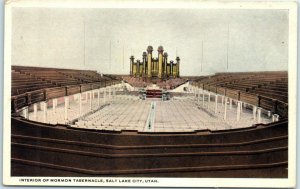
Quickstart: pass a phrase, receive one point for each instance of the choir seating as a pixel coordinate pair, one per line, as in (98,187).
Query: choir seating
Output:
(167,84)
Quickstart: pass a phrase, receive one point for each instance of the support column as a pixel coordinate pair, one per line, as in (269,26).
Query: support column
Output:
(198,95)
(98,102)
(80,104)
(258,115)
(44,111)
(238,115)
(66,107)
(104,95)
(25,112)
(35,112)
(269,113)
(254,112)
(275,117)
(216,103)
(230,103)
(225,109)
(54,104)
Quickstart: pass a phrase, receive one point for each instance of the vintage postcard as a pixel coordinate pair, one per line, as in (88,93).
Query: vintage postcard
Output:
(150,94)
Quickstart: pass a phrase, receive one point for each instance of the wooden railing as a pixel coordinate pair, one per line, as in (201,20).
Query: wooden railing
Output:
(26,99)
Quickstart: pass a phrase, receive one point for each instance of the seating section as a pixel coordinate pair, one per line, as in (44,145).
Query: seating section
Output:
(22,83)
(26,79)
(182,114)
(269,84)
(171,83)
(123,114)
(135,82)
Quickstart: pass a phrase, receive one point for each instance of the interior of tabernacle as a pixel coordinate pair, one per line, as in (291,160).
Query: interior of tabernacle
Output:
(66,122)
(176,104)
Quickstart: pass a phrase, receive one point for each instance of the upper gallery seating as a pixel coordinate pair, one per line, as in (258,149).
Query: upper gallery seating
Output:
(171,83)
(135,82)
(22,83)
(25,79)
(269,84)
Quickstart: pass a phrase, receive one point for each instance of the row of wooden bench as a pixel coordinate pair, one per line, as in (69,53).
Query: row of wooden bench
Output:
(25,79)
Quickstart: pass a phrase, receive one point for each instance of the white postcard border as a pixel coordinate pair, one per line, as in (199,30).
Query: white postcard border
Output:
(162,182)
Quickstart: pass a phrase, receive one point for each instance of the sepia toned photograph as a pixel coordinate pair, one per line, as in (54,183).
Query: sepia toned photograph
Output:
(150,94)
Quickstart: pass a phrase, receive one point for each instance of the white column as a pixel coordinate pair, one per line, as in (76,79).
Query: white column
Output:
(35,112)
(225,109)
(41,106)
(109,92)
(98,91)
(238,115)
(216,103)
(104,95)
(66,107)
(254,108)
(90,94)
(258,115)
(44,111)
(54,102)
(230,103)
(80,104)
(242,104)
(269,113)
(25,112)
(69,103)
(275,117)
(198,95)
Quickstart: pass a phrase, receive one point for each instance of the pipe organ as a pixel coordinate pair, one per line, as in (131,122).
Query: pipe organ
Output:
(154,67)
